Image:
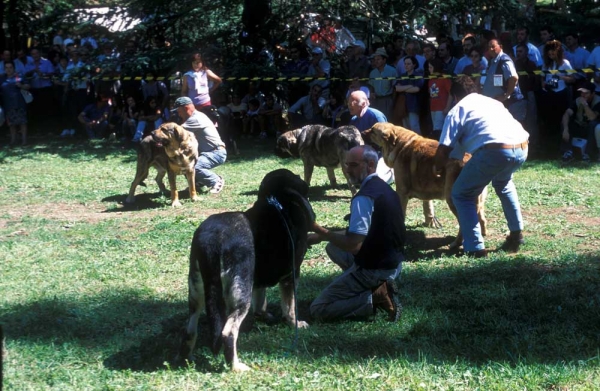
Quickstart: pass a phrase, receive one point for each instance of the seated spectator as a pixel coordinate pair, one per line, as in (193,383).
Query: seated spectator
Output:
(253,93)
(39,72)
(151,114)
(130,116)
(6,56)
(95,117)
(335,111)
(156,89)
(22,62)
(270,118)
(238,111)
(308,109)
(581,121)
(250,120)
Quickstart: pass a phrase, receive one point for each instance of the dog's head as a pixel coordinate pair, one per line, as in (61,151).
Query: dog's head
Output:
(287,188)
(168,134)
(287,144)
(385,134)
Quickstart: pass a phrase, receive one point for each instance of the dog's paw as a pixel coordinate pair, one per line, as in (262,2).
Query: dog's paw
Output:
(196,198)
(432,222)
(302,324)
(176,204)
(239,367)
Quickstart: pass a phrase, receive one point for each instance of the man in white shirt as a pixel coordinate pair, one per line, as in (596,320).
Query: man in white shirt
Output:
(483,127)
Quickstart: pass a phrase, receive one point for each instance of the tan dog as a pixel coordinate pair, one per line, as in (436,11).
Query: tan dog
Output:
(412,158)
(170,149)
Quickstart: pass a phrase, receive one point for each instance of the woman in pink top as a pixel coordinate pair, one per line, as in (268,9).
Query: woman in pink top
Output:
(199,82)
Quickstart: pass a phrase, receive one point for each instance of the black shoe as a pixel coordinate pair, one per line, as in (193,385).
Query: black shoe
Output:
(477,253)
(513,242)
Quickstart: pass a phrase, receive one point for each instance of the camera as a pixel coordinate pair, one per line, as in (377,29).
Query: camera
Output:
(552,84)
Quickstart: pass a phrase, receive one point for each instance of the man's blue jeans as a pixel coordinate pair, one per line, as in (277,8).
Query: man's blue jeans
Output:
(206,161)
(497,166)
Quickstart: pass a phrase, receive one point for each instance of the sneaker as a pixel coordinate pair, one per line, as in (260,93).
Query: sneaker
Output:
(65,133)
(385,297)
(513,242)
(585,157)
(567,157)
(216,189)
(72,132)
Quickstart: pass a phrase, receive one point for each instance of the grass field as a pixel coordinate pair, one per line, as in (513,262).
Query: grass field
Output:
(93,295)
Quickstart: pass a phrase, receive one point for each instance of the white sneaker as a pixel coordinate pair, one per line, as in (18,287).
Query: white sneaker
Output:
(65,133)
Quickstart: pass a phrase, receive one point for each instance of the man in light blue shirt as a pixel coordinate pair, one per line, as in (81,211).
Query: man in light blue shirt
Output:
(534,53)
(576,55)
(498,144)
(382,79)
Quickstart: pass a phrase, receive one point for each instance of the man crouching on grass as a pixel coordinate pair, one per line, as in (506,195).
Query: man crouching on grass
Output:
(484,128)
(370,251)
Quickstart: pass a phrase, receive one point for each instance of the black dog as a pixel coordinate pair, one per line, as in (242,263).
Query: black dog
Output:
(236,255)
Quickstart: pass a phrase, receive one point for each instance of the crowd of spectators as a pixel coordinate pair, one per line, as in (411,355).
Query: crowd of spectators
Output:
(405,79)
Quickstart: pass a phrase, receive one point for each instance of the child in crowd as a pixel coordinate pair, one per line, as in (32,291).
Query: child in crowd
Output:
(152,114)
(440,101)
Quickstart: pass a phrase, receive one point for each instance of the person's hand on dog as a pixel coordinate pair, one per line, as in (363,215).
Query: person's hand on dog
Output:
(312,239)
(317,237)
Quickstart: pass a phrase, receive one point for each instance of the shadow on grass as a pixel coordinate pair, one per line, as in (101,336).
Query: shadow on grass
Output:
(493,310)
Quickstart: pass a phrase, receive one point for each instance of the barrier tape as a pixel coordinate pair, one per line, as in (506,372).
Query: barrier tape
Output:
(311,78)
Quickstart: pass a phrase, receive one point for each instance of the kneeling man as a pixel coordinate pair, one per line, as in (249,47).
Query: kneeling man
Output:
(370,251)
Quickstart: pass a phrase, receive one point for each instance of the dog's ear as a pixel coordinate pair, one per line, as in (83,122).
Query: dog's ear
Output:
(293,196)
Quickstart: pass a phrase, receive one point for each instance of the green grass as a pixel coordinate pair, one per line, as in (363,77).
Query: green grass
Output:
(93,295)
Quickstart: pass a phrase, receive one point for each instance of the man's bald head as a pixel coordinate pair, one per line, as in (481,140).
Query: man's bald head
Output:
(357,101)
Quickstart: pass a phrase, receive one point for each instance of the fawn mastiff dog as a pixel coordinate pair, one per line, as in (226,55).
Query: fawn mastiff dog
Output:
(412,158)
(321,146)
(171,150)
(236,255)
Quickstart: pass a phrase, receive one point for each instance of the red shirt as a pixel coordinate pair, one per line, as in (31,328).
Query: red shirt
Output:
(439,91)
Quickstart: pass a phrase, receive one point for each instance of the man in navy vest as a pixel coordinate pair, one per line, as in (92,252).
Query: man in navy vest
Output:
(370,251)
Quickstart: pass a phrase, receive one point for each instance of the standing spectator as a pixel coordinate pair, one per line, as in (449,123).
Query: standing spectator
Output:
(95,117)
(528,82)
(357,65)
(476,67)
(22,62)
(319,68)
(40,72)
(410,84)
(554,97)
(6,56)
(468,44)
(546,35)
(211,149)
(157,89)
(13,103)
(195,83)
(370,251)
(382,79)
(429,52)
(79,77)
(497,142)
(58,40)
(575,54)
(581,121)
(440,99)
(533,52)
(445,54)
(412,48)
(502,82)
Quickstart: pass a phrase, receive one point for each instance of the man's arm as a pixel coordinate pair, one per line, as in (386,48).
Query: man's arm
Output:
(565,123)
(349,242)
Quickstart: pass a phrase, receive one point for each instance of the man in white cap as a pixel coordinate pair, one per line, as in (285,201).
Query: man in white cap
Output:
(211,149)
(319,67)
(382,79)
